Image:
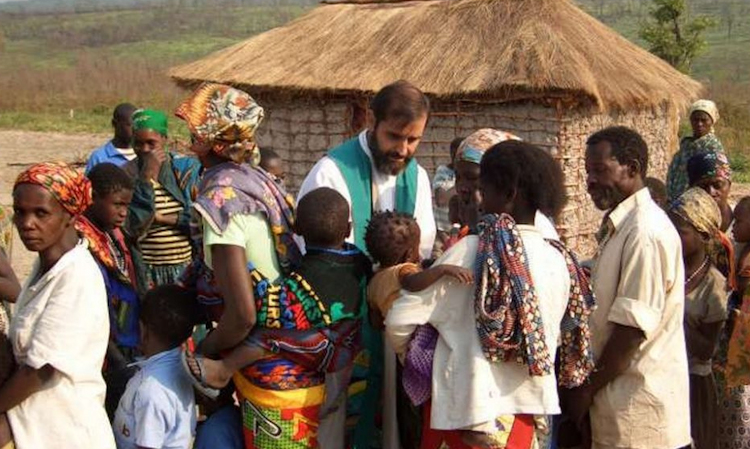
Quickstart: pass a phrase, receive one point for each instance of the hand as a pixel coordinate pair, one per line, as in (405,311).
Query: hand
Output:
(152,162)
(461,274)
(578,401)
(169,220)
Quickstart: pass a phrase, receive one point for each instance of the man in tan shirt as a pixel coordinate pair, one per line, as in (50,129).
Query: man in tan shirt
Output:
(638,395)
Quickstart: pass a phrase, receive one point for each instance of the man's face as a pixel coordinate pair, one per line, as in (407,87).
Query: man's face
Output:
(123,126)
(607,182)
(146,141)
(395,142)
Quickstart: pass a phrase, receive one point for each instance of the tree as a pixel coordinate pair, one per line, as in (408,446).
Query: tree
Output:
(672,35)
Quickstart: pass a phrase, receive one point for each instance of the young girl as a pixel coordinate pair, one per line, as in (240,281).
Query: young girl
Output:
(697,218)
(530,294)
(101,225)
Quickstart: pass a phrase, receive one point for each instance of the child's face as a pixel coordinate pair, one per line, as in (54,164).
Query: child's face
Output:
(692,240)
(741,227)
(111,210)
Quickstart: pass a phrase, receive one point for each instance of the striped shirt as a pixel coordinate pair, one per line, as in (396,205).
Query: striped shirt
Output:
(164,244)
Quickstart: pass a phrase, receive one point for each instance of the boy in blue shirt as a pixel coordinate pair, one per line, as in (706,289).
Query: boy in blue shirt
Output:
(157,410)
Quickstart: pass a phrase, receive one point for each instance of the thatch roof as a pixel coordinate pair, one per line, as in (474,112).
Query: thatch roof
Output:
(493,49)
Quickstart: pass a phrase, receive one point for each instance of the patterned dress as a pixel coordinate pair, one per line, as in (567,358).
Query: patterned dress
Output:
(677,178)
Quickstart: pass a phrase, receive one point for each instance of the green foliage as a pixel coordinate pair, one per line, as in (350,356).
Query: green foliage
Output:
(672,36)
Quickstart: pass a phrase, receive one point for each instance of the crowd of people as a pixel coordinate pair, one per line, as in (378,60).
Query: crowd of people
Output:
(189,301)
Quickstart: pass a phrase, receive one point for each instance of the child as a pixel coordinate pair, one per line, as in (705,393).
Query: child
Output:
(741,235)
(158,407)
(271,162)
(307,329)
(101,227)
(697,218)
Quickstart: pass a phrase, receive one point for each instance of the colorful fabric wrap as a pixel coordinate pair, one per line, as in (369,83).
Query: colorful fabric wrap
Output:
(150,119)
(708,166)
(226,119)
(707,106)
(508,319)
(6,230)
(473,147)
(230,188)
(677,175)
(68,185)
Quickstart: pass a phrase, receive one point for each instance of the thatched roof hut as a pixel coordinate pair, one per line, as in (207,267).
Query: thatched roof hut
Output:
(541,68)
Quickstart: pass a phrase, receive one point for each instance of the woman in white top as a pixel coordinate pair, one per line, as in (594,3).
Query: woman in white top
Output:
(530,293)
(59,333)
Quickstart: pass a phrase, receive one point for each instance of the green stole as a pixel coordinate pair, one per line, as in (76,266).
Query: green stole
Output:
(356,168)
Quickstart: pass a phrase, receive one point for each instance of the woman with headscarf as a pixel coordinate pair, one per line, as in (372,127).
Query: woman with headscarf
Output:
(246,218)
(696,217)
(60,330)
(703,116)
(159,215)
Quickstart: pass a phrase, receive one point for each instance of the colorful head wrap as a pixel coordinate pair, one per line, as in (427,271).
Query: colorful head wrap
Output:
(708,165)
(226,119)
(473,147)
(151,120)
(707,106)
(69,186)
(698,208)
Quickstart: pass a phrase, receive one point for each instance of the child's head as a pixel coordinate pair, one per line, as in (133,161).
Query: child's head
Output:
(323,218)
(741,227)
(112,193)
(697,217)
(271,162)
(518,178)
(392,238)
(658,190)
(167,316)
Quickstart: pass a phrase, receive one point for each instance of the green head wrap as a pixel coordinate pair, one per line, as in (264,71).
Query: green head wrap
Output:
(150,119)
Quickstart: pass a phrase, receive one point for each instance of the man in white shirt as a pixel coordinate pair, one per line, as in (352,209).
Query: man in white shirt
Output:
(376,170)
(638,395)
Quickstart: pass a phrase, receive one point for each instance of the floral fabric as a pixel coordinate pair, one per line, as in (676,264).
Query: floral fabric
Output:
(68,185)
(226,119)
(708,166)
(677,177)
(473,147)
(6,230)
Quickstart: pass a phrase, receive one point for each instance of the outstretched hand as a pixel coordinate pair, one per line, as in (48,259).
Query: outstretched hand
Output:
(461,274)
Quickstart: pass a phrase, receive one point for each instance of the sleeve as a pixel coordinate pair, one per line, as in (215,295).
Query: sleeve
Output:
(424,215)
(716,300)
(91,162)
(406,314)
(325,173)
(191,171)
(152,416)
(642,289)
(141,210)
(70,322)
(234,234)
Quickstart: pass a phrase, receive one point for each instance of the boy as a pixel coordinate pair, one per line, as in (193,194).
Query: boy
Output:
(158,407)
(101,225)
(271,162)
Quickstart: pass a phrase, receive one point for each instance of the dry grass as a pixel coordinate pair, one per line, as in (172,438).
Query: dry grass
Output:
(450,48)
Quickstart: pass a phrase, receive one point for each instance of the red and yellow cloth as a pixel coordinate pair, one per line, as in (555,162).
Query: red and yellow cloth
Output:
(68,185)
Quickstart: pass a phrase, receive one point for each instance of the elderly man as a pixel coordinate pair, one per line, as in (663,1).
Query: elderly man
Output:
(376,171)
(638,395)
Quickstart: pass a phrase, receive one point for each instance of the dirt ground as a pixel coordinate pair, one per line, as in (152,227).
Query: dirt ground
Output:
(18,149)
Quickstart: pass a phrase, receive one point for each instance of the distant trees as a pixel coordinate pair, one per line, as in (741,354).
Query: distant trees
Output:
(672,35)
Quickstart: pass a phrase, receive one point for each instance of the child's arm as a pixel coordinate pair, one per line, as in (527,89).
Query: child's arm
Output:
(415,282)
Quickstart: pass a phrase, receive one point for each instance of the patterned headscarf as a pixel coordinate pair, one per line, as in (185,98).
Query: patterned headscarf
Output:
(150,119)
(698,208)
(226,119)
(708,165)
(508,319)
(707,106)
(69,186)
(473,147)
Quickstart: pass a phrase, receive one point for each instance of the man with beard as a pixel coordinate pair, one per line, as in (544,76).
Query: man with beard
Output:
(376,171)
(637,396)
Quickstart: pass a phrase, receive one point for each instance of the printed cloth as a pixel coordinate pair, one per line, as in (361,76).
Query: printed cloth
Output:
(232,188)
(473,147)
(6,230)
(677,175)
(149,119)
(507,309)
(109,249)
(445,178)
(708,166)
(226,119)
(698,208)
(69,186)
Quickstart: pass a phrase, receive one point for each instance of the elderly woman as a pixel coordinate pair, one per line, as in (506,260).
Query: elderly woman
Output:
(245,218)
(696,217)
(703,117)
(60,330)
(159,215)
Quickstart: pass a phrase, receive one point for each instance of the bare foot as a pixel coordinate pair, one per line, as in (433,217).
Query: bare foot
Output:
(215,372)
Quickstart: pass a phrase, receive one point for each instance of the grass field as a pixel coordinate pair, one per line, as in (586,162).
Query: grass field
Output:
(64,72)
